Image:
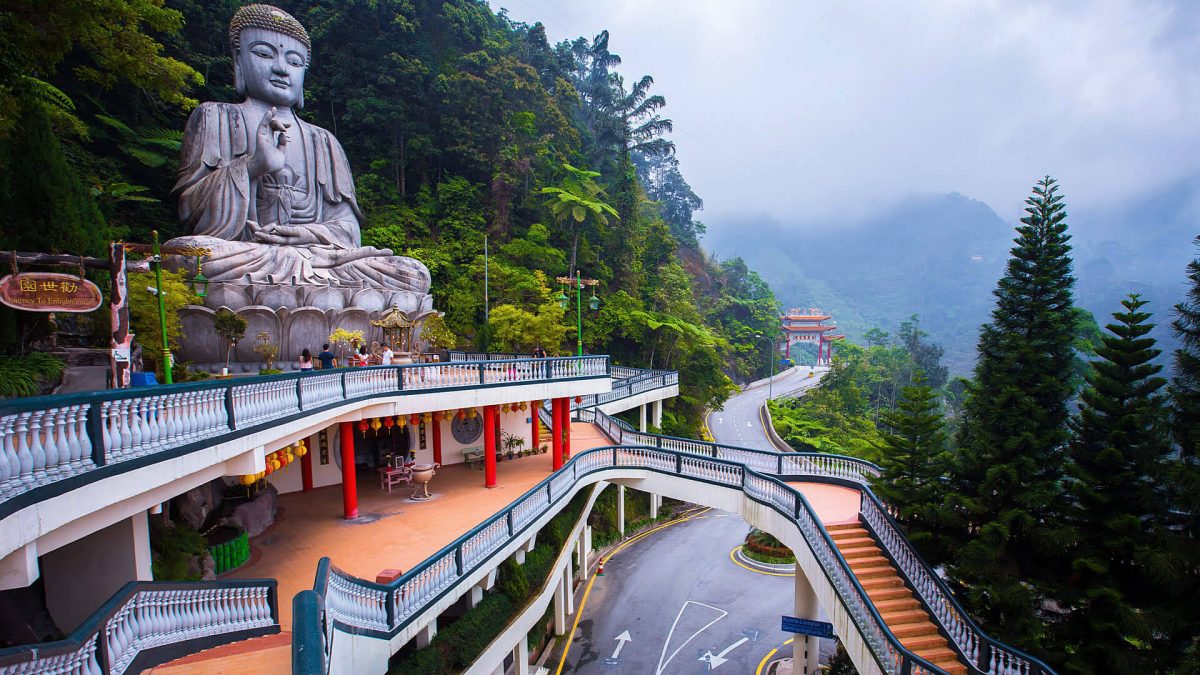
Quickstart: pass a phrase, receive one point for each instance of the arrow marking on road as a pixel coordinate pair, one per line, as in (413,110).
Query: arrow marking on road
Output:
(715,660)
(621,640)
(663,664)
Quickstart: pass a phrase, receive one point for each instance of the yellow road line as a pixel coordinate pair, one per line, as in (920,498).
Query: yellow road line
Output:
(763,664)
(588,591)
(744,566)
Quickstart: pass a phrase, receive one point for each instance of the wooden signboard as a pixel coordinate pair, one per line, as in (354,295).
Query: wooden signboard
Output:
(49,292)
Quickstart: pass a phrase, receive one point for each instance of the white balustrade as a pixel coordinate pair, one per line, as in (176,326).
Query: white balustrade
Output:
(320,390)
(412,595)
(484,541)
(41,446)
(355,604)
(263,401)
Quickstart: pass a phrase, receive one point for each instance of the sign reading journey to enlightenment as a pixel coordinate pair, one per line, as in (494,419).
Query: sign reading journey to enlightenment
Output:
(49,292)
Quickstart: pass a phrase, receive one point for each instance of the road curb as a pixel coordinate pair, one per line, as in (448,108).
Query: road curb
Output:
(785,569)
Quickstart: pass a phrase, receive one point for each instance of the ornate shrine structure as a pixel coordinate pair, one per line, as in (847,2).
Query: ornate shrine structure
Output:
(807,326)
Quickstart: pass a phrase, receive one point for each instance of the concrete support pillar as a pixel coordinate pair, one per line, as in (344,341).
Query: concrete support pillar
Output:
(569,588)
(489,445)
(655,504)
(426,634)
(642,417)
(349,484)
(476,596)
(581,556)
(560,609)
(556,433)
(521,657)
(621,509)
(84,574)
(658,414)
(805,648)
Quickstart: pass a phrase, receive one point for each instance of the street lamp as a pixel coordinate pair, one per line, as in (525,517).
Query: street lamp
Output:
(563,301)
(771,380)
(156,260)
(200,282)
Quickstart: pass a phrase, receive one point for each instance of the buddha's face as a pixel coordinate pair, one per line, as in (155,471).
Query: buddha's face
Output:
(271,66)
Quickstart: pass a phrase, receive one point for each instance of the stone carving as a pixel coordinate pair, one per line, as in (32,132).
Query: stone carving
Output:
(272,197)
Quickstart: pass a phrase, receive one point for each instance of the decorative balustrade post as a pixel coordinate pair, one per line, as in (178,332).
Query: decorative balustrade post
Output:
(299,393)
(779,465)
(95,432)
(985,655)
(678,460)
(232,419)
(509,517)
(345,391)
(481,373)
(458,561)
(400,378)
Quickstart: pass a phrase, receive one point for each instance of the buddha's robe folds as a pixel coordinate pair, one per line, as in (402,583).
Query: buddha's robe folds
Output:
(218,200)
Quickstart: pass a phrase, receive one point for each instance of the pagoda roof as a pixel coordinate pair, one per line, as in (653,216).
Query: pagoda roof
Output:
(806,317)
(808,329)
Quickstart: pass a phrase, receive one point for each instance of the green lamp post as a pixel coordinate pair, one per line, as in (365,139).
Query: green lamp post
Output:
(771,380)
(156,260)
(563,301)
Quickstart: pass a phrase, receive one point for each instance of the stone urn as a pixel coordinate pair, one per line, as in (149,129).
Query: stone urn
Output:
(421,475)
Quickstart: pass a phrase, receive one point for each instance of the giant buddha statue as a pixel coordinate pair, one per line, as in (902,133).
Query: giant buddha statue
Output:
(271,197)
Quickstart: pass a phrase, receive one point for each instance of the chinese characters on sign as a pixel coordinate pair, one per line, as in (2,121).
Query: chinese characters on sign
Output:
(49,292)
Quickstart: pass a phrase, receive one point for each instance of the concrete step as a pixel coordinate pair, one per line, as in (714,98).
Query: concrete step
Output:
(904,616)
(879,594)
(853,541)
(928,641)
(872,571)
(840,527)
(868,561)
(897,604)
(913,629)
(853,552)
(881,583)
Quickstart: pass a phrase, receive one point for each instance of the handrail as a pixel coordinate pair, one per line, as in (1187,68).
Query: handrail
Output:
(618,372)
(147,623)
(50,444)
(362,607)
(987,654)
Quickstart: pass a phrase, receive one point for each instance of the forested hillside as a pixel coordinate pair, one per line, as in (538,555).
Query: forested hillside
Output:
(460,124)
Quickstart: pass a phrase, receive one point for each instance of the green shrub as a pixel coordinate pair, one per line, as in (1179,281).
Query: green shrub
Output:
(513,581)
(766,558)
(464,640)
(269,371)
(28,375)
(172,551)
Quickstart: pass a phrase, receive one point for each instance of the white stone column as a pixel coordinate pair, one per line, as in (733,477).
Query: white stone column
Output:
(805,648)
(476,596)
(621,509)
(569,587)
(642,417)
(521,657)
(658,414)
(426,634)
(581,556)
(655,504)
(560,609)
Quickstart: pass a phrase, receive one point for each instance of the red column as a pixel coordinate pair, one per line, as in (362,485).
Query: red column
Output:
(437,440)
(489,446)
(535,426)
(556,433)
(306,464)
(349,486)
(566,429)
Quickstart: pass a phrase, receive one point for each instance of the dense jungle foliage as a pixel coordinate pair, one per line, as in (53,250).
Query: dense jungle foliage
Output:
(460,125)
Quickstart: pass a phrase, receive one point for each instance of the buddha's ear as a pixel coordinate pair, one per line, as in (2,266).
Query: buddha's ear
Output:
(300,103)
(239,82)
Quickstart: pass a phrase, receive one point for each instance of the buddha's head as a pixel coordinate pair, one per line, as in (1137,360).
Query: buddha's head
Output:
(270,55)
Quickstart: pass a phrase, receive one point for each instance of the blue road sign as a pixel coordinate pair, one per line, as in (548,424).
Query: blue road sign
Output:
(792,624)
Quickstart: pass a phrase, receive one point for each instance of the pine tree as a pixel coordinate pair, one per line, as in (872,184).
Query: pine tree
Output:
(1117,508)
(1006,479)
(914,459)
(1184,613)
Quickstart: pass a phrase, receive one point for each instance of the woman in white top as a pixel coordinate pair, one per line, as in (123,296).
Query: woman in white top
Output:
(306,360)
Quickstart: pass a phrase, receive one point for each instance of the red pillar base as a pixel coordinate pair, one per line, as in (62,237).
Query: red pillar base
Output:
(349,483)
(489,446)
(556,433)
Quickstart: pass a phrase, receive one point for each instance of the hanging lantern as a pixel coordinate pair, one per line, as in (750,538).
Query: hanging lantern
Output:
(579,399)
(375,424)
(562,299)
(437,416)
(269,470)
(249,480)
(363,426)
(401,421)
(389,422)
(472,413)
(428,417)
(504,408)
(414,420)
(461,415)
(301,450)
(524,406)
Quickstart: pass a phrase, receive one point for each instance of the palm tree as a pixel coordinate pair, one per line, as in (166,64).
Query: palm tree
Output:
(578,200)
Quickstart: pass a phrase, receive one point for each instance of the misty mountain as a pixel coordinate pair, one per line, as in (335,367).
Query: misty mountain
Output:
(940,256)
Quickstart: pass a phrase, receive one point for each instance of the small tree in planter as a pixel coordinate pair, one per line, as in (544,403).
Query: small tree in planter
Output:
(231,328)
(341,337)
(513,444)
(266,349)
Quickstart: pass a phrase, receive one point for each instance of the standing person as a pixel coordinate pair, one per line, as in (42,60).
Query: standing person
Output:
(326,357)
(364,357)
(306,360)
(386,356)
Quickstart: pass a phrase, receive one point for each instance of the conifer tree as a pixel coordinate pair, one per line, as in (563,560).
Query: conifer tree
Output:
(914,459)
(1185,386)
(1117,507)
(1007,475)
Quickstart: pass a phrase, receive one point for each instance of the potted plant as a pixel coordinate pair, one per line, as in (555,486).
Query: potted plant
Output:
(231,328)
(512,444)
(342,337)
(266,349)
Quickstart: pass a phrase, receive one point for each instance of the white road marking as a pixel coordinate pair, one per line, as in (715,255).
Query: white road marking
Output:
(715,660)
(621,640)
(663,664)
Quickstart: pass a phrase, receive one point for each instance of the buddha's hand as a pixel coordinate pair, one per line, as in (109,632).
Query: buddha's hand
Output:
(268,154)
(329,256)
(282,235)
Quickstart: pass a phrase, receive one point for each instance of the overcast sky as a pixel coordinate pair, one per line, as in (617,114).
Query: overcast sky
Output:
(799,109)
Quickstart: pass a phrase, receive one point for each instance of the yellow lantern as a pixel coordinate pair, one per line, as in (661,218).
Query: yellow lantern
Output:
(401,421)
(524,406)
(301,450)
(249,479)
(504,408)
(375,424)
(472,413)
(428,417)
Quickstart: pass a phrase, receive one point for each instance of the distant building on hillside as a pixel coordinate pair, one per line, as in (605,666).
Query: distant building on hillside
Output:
(807,326)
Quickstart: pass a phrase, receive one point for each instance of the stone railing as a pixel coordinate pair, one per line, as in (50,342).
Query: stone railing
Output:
(617,372)
(148,623)
(51,444)
(363,607)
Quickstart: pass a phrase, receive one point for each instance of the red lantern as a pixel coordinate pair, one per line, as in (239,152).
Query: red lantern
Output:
(414,420)
(462,415)
(363,426)
(579,399)
(388,422)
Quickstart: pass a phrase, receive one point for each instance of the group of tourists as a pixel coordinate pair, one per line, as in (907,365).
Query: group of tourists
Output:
(378,355)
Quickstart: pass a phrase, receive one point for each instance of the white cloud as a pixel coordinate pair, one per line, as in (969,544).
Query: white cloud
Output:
(801,109)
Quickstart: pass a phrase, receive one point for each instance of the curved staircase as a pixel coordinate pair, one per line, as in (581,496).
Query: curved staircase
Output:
(901,611)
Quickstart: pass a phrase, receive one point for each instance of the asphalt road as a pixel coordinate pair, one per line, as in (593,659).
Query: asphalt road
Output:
(684,605)
(737,422)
